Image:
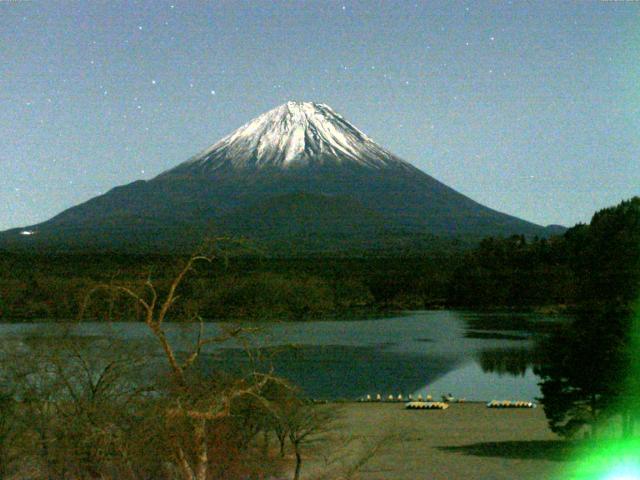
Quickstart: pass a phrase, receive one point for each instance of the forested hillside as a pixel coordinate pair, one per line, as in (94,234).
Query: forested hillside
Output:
(587,263)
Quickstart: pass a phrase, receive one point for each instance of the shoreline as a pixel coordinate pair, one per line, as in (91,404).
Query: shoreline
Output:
(467,440)
(346,315)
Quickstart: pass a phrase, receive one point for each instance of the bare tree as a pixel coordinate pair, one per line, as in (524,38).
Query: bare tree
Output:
(75,402)
(7,429)
(88,408)
(305,424)
(189,399)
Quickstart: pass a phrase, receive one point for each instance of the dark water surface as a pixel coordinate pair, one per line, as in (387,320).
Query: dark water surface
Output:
(476,356)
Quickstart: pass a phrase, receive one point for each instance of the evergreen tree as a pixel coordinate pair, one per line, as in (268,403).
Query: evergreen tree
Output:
(584,374)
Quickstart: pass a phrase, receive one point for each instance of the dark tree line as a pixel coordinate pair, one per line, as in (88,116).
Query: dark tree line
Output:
(514,273)
(51,286)
(588,374)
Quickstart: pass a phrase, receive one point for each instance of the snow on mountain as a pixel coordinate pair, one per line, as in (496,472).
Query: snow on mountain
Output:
(292,135)
(299,178)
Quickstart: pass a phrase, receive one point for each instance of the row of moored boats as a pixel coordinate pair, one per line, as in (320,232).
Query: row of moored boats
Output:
(427,403)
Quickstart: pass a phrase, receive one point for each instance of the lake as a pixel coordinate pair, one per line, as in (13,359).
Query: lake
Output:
(476,356)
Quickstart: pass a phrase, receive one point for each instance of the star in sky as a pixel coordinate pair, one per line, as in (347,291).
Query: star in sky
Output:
(381,67)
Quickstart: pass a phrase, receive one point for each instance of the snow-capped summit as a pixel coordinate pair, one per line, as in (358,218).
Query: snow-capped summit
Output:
(294,134)
(296,179)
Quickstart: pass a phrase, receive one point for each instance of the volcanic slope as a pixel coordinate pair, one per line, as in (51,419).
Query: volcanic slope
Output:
(296,177)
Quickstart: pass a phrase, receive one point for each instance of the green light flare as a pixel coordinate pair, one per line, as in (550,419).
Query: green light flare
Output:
(616,459)
(624,473)
(631,397)
(634,353)
(608,460)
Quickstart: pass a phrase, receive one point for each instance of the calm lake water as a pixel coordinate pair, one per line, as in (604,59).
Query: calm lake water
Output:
(470,355)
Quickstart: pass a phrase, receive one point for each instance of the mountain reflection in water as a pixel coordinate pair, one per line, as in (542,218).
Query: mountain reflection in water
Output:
(344,372)
(506,361)
(464,353)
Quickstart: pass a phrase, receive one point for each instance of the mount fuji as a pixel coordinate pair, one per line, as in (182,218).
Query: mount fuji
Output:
(294,135)
(298,178)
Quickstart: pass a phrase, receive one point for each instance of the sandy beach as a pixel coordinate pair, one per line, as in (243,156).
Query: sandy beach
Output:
(466,441)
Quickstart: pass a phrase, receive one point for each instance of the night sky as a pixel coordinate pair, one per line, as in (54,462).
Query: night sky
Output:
(531,108)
